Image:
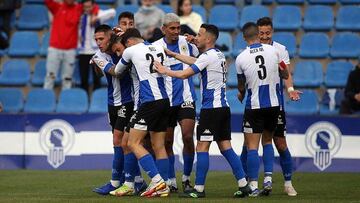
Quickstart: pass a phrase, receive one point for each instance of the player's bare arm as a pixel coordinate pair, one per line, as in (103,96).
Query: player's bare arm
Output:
(183,58)
(284,73)
(176,74)
(293,94)
(241,87)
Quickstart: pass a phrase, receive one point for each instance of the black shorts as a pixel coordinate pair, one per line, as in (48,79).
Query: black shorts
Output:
(152,116)
(214,125)
(184,111)
(119,116)
(281,125)
(258,120)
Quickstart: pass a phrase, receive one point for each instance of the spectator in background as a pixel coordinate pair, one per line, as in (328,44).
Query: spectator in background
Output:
(7,8)
(1,107)
(87,45)
(190,21)
(148,20)
(351,102)
(63,41)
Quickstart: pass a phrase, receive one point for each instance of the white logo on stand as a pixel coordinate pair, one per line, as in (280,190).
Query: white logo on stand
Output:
(323,141)
(56,140)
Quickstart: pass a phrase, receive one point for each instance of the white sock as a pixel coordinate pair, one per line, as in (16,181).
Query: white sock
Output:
(139,179)
(253,185)
(129,184)
(156,178)
(267,179)
(288,183)
(173,182)
(242,182)
(199,188)
(185,178)
(115,183)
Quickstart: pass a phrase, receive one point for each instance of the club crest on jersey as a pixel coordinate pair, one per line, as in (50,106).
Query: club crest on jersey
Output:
(183,49)
(323,141)
(56,140)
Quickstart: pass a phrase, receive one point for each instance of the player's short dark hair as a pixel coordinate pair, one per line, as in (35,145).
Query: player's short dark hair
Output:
(83,1)
(212,29)
(126,14)
(114,38)
(130,33)
(264,21)
(250,30)
(102,28)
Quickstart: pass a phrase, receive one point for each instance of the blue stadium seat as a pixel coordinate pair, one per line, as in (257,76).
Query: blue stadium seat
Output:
(331,101)
(287,18)
(11,99)
(44,44)
(337,73)
(350,2)
(33,17)
(307,105)
(15,72)
(201,11)
(231,76)
(239,45)
(253,13)
(24,44)
(352,48)
(322,1)
(40,73)
(225,17)
(99,101)
(131,8)
(288,40)
(348,18)
(318,18)
(166,8)
(72,101)
(224,43)
(235,105)
(290,1)
(3,52)
(308,74)
(40,101)
(314,45)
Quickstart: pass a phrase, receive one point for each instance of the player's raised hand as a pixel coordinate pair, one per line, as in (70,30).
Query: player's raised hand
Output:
(159,68)
(169,53)
(118,31)
(190,38)
(294,95)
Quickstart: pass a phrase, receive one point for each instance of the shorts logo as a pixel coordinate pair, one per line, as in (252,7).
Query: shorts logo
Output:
(122,112)
(206,136)
(280,120)
(56,140)
(187,104)
(323,141)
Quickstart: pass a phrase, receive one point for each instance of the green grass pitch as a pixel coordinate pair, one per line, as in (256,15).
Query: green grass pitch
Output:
(76,186)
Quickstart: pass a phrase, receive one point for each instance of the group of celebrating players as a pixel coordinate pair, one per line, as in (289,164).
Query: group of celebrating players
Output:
(150,90)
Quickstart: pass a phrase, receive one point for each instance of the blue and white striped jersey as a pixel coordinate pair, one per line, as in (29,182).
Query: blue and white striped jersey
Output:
(119,90)
(284,56)
(179,90)
(135,87)
(142,56)
(259,63)
(212,66)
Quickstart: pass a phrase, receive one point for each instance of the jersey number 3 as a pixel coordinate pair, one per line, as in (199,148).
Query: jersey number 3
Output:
(151,58)
(262,72)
